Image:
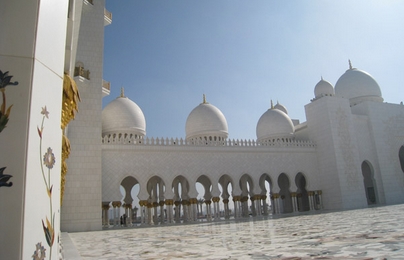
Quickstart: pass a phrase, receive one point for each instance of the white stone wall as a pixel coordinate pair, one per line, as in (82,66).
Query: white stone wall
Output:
(386,123)
(32,50)
(168,162)
(82,200)
(331,127)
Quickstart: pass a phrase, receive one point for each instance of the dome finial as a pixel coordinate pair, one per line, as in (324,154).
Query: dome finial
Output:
(272,104)
(122,92)
(350,64)
(322,77)
(204,99)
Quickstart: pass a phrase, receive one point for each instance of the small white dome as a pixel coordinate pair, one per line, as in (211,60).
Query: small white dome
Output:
(123,116)
(281,108)
(358,86)
(206,120)
(274,123)
(323,88)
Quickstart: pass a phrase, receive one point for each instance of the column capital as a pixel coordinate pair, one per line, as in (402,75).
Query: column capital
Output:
(319,192)
(215,199)
(161,203)
(116,204)
(143,203)
(169,202)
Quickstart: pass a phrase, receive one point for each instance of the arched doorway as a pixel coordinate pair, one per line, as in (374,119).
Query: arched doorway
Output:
(203,184)
(286,199)
(156,189)
(227,188)
(246,186)
(266,186)
(181,198)
(303,203)
(369,183)
(129,190)
(401,157)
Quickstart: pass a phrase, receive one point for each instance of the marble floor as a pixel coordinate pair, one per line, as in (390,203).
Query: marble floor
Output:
(373,233)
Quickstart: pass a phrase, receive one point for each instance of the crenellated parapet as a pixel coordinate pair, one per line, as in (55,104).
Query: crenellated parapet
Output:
(133,140)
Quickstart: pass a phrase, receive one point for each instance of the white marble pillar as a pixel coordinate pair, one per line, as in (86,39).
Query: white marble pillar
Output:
(320,198)
(294,202)
(311,201)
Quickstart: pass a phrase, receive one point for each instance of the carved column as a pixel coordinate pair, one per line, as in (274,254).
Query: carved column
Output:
(169,204)
(276,207)
(208,210)
(253,207)
(311,202)
(216,208)
(320,198)
(105,210)
(237,209)
(162,214)
(128,213)
(155,214)
(294,201)
(116,205)
(264,204)
(226,208)
(258,209)
(244,206)
(177,211)
(143,211)
(194,209)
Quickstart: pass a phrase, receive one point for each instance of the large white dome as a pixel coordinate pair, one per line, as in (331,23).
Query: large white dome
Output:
(123,116)
(274,123)
(206,121)
(358,86)
(323,88)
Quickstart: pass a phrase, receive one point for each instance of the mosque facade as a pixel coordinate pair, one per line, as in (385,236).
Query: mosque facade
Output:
(348,154)
(59,174)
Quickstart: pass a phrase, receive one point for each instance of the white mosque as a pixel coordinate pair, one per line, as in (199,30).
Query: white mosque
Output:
(59,174)
(348,154)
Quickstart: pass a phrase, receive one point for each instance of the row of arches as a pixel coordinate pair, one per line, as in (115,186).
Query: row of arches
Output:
(177,201)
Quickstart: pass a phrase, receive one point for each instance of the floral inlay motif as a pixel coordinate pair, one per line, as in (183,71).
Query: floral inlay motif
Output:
(47,159)
(39,253)
(5,80)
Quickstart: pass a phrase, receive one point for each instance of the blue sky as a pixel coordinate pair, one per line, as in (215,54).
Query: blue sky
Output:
(241,54)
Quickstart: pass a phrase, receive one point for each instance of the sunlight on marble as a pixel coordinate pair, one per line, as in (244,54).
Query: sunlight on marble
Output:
(373,233)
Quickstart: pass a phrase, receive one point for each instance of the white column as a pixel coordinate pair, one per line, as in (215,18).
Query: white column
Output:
(311,202)
(320,198)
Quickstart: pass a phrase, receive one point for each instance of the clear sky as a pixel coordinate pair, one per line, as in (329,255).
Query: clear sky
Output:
(241,54)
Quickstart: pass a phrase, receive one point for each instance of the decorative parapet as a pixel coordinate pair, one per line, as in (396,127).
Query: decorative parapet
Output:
(181,142)
(107,17)
(106,84)
(106,88)
(80,71)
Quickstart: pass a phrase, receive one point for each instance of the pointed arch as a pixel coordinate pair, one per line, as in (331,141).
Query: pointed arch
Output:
(401,157)
(303,203)
(369,182)
(284,185)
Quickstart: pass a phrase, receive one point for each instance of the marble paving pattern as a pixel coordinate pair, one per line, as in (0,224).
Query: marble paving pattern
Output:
(373,233)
